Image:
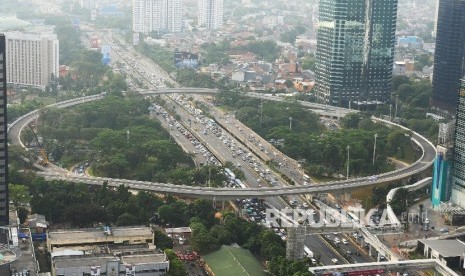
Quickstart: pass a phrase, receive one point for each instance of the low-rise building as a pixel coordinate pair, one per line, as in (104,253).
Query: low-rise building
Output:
(140,263)
(106,251)
(448,252)
(88,238)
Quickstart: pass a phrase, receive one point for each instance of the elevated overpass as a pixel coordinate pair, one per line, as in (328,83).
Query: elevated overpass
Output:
(382,267)
(321,109)
(426,160)
(180,90)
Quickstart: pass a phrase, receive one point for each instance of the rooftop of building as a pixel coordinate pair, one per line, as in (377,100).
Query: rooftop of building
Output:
(89,260)
(179,230)
(446,248)
(144,258)
(83,261)
(55,236)
(24,258)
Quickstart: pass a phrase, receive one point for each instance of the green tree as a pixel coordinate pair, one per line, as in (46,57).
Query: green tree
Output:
(19,194)
(201,240)
(177,268)
(308,62)
(23,213)
(126,219)
(162,241)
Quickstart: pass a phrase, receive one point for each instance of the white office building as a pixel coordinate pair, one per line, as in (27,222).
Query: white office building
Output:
(157,15)
(210,14)
(32,58)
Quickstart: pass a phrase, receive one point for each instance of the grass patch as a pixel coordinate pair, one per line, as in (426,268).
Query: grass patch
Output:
(409,155)
(233,261)
(323,179)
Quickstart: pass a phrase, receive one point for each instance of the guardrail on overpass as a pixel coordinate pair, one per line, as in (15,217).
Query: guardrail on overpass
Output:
(418,185)
(399,266)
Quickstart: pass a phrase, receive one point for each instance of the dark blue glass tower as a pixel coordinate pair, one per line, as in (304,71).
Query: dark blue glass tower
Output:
(449,56)
(4,203)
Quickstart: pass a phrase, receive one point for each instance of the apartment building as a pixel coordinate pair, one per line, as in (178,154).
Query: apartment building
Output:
(157,15)
(33,58)
(210,14)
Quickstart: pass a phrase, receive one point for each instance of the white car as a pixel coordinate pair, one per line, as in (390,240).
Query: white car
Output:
(335,261)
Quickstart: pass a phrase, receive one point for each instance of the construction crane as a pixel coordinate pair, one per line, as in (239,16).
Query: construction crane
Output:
(43,157)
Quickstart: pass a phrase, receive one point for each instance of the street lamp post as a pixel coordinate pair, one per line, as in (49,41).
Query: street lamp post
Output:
(374,149)
(348,160)
(290,123)
(209,173)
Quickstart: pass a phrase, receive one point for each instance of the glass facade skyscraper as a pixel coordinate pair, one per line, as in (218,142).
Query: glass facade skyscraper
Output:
(4,203)
(458,165)
(355,51)
(449,56)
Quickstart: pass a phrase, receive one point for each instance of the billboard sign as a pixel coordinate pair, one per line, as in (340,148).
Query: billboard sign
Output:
(184,59)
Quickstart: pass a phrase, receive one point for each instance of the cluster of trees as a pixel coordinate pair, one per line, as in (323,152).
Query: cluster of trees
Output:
(117,137)
(308,62)
(413,98)
(17,110)
(219,52)
(266,50)
(281,266)
(82,205)
(291,35)
(259,240)
(413,93)
(324,151)
(249,235)
(216,52)
(190,78)
(177,267)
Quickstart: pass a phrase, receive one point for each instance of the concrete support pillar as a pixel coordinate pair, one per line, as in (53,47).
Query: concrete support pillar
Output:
(222,205)
(347,196)
(369,249)
(378,257)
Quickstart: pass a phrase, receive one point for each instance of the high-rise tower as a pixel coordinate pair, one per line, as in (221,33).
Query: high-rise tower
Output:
(449,56)
(156,15)
(210,14)
(4,208)
(355,51)
(458,165)
(33,58)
